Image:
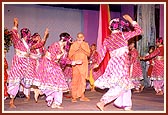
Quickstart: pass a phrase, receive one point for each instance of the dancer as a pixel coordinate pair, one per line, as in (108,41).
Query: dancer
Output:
(79,50)
(52,79)
(157,74)
(20,60)
(36,51)
(116,75)
(135,68)
(34,60)
(18,71)
(149,65)
(65,62)
(93,73)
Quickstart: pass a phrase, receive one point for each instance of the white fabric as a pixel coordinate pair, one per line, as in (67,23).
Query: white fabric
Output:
(123,98)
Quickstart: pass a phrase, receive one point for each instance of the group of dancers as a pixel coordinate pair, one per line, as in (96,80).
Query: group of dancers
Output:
(66,65)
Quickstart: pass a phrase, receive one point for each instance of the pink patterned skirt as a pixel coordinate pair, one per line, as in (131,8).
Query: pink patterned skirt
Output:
(158,70)
(136,71)
(51,76)
(17,73)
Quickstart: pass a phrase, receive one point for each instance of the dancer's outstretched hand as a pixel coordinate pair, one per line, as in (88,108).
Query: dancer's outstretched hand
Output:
(15,20)
(128,18)
(46,31)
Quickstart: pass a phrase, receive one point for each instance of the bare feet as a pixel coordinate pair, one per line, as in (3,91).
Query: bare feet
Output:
(11,103)
(27,98)
(141,88)
(159,93)
(73,100)
(136,91)
(84,99)
(100,105)
(36,94)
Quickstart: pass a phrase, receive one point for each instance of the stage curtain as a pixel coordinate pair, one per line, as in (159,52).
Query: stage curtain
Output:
(146,19)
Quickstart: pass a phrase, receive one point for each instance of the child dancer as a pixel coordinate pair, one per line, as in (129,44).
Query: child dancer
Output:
(135,68)
(157,74)
(149,65)
(93,73)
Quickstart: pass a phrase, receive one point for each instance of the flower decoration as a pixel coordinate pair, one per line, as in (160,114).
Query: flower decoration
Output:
(7,39)
(118,24)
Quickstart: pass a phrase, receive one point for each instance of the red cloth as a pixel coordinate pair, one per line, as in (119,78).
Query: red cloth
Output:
(5,77)
(158,67)
(104,24)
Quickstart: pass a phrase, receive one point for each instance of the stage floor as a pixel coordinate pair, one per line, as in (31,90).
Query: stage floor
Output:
(145,102)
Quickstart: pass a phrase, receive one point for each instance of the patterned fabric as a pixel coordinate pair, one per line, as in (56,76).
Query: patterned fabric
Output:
(135,69)
(68,75)
(150,67)
(19,64)
(94,57)
(34,61)
(66,67)
(158,67)
(50,73)
(117,40)
(117,70)
(17,42)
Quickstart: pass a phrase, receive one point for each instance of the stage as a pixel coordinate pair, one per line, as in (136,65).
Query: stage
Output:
(145,102)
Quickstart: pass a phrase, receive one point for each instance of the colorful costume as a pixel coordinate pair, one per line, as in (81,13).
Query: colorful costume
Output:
(116,76)
(135,69)
(157,74)
(34,62)
(94,74)
(19,66)
(19,70)
(66,67)
(52,79)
